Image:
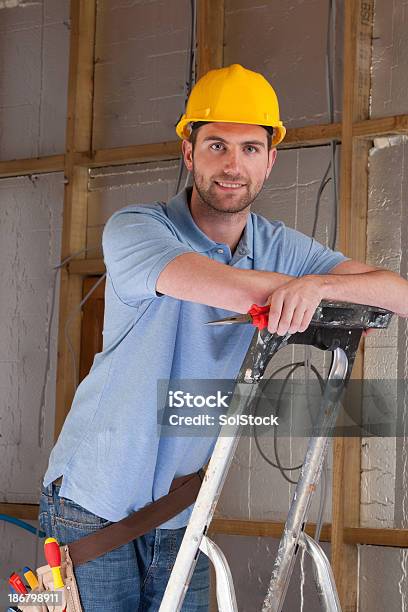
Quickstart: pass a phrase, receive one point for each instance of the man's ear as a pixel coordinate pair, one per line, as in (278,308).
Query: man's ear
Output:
(271,160)
(187,150)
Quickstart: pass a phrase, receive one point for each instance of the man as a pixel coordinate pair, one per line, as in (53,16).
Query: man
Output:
(171,268)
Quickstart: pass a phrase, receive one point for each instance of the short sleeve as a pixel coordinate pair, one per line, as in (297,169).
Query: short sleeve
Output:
(304,255)
(137,246)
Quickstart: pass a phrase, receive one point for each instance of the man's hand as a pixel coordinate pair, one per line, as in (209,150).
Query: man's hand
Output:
(293,304)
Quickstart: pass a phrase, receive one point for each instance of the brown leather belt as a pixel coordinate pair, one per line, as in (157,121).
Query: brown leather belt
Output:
(183,492)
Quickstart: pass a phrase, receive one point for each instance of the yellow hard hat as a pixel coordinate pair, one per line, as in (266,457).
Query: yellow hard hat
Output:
(233,95)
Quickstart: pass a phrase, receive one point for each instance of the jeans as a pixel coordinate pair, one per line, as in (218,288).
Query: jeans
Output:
(131,578)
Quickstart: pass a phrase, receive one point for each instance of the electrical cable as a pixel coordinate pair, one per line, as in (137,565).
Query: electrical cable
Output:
(15,521)
(332,169)
(335,194)
(329,62)
(320,191)
(68,322)
(187,179)
(41,414)
(48,348)
(190,80)
(293,367)
(57,268)
(5,517)
(329,69)
(180,174)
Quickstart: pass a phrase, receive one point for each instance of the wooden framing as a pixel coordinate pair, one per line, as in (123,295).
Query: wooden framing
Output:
(92,323)
(86,267)
(78,139)
(210,35)
(352,535)
(355,133)
(28,512)
(310,135)
(36,165)
(358,24)
(363,536)
(129,155)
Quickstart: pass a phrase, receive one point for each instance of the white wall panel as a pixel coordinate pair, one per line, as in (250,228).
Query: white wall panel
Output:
(286,42)
(34,50)
(140,71)
(30,235)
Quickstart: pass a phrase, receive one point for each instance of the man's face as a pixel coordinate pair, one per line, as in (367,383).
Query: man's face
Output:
(230,164)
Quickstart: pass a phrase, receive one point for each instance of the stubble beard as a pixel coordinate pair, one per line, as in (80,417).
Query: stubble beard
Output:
(218,204)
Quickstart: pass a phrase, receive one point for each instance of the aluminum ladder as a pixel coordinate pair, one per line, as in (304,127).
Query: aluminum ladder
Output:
(335,327)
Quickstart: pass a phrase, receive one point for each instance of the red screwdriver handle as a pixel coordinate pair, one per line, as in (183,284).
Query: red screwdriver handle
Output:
(17,584)
(259,315)
(52,552)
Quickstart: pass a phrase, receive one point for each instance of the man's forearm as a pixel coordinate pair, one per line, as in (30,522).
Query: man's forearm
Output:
(377,288)
(197,278)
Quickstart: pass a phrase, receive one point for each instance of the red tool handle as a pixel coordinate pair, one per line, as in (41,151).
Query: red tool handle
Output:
(52,552)
(17,584)
(259,315)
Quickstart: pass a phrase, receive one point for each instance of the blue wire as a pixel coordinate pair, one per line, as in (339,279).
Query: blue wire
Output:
(22,524)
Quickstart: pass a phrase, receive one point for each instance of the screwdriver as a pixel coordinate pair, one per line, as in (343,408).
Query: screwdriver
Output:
(256,315)
(30,577)
(17,584)
(53,555)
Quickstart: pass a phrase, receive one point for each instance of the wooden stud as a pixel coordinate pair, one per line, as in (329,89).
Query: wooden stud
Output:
(28,512)
(79,139)
(310,135)
(396,538)
(129,155)
(210,35)
(35,165)
(92,324)
(272,529)
(358,23)
(382,126)
(86,267)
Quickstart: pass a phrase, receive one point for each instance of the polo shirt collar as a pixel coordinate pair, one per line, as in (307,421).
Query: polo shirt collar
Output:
(178,211)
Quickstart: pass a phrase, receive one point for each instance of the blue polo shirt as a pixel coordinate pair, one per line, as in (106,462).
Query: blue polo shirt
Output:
(111,457)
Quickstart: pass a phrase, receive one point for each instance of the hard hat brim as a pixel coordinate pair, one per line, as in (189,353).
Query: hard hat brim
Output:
(183,128)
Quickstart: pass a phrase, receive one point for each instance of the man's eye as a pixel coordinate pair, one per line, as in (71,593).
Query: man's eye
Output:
(216,144)
(253,149)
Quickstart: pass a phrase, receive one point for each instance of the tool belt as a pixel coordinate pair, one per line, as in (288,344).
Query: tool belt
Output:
(183,492)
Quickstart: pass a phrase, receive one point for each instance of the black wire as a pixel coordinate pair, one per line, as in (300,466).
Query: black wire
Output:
(322,186)
(180,174)
(331,31)
(278,464)
(192,39)
(189,82)
(335,196)
(329,61)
